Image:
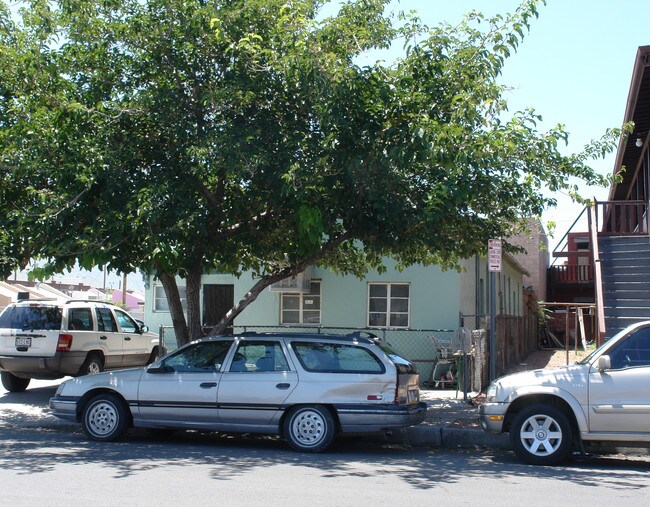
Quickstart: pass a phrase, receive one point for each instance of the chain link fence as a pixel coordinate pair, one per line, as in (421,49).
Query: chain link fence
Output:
(464,351)
(516,339)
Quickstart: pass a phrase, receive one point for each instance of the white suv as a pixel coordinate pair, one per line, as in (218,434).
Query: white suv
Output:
(49,340)
(602,399)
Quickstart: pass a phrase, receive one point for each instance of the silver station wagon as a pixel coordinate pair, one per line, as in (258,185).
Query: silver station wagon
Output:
(307,388)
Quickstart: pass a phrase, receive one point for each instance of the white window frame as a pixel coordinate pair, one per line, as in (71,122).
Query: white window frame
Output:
(388,312)
(158,298)
(301,309)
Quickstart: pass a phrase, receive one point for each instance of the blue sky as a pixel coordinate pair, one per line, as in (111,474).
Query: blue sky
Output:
(573,68)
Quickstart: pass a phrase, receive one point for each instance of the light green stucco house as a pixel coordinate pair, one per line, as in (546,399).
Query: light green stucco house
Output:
(395,302)
(415,310)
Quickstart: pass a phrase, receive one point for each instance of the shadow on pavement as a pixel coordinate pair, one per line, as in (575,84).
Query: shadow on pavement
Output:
(34,397)
(29,451)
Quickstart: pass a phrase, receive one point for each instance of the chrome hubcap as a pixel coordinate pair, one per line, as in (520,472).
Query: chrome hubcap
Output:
(102,418)
(308,427)
(93,368)
(541,435)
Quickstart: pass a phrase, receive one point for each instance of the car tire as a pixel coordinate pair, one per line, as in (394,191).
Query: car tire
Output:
(12,383)
(105,417)
(541,435)
(94,363)
(309,428)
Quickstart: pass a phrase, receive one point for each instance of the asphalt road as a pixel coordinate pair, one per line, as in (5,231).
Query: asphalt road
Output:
(46,462)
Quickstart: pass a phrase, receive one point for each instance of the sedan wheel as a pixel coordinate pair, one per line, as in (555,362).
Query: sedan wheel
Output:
(105,418)
(309,428)
(541,435)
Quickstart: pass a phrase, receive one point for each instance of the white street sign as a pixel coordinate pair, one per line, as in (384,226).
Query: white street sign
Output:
(494,255)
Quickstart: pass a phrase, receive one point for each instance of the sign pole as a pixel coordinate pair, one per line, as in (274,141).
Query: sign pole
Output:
(494,266)
(492,327)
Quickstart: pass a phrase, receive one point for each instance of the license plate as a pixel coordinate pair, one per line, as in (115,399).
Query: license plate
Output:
(22,341)
(413,395)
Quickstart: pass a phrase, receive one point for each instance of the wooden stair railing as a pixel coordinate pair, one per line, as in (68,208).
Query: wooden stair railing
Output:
(598,276)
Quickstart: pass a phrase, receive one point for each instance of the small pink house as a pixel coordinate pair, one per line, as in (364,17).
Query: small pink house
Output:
(133,300)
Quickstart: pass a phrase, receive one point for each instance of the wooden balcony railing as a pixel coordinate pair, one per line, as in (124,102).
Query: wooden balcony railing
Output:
(571,274)
(621,218)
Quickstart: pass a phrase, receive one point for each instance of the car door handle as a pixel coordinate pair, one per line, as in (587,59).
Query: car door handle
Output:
(283,385)
(127,338)
(207,385)
(103,338)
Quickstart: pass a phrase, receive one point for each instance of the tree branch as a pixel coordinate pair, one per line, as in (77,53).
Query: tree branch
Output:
(268,280)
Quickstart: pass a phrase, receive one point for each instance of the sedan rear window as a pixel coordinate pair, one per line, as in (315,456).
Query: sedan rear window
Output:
(404,366)
(336,358)
(259,356)
(31,317)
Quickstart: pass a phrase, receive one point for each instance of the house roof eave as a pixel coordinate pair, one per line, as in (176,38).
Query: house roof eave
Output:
(511,258)
(628,153)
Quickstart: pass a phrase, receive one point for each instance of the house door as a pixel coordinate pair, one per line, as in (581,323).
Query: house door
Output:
(217,301)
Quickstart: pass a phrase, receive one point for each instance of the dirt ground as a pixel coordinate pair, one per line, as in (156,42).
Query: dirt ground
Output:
(551,359)
(547,358)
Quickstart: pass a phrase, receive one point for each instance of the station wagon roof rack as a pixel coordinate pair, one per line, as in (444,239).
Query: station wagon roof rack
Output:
(364,334)
(356,335)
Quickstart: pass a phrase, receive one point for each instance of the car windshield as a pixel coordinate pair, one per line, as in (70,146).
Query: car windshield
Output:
(605,345)
(200,356)
(31,317)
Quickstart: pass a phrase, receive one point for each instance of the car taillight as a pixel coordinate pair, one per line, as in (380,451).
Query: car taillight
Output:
(65,342)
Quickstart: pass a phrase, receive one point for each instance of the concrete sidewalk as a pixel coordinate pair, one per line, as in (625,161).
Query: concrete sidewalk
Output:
(452,423)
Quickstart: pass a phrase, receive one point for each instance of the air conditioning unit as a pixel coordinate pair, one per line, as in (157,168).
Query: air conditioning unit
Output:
(299,284)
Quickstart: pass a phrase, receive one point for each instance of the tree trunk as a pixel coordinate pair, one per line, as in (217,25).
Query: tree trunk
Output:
(175,308)
(193,293)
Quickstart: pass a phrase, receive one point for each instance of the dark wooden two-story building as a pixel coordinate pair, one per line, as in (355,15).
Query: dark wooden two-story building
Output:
(609,264)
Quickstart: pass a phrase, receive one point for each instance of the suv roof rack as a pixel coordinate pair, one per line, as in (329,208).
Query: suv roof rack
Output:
(35,300)
(90,301)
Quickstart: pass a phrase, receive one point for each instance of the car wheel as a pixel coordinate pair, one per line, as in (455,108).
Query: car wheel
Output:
(309,428)
(94,363)
(12,383)
(105,417)
(541,435)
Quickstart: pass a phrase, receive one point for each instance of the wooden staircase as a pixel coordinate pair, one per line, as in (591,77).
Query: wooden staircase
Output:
(625,264)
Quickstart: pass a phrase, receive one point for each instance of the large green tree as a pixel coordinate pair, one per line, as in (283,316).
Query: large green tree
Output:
(180,136)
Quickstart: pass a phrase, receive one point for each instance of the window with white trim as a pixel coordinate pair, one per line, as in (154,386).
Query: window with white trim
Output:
(388,304)
(301,308)
(160,303)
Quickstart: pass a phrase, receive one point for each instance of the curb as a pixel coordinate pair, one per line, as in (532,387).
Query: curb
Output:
(445,437)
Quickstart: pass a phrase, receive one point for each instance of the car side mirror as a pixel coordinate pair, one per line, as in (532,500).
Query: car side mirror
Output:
(159,367)
(144,329)
(604,363)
